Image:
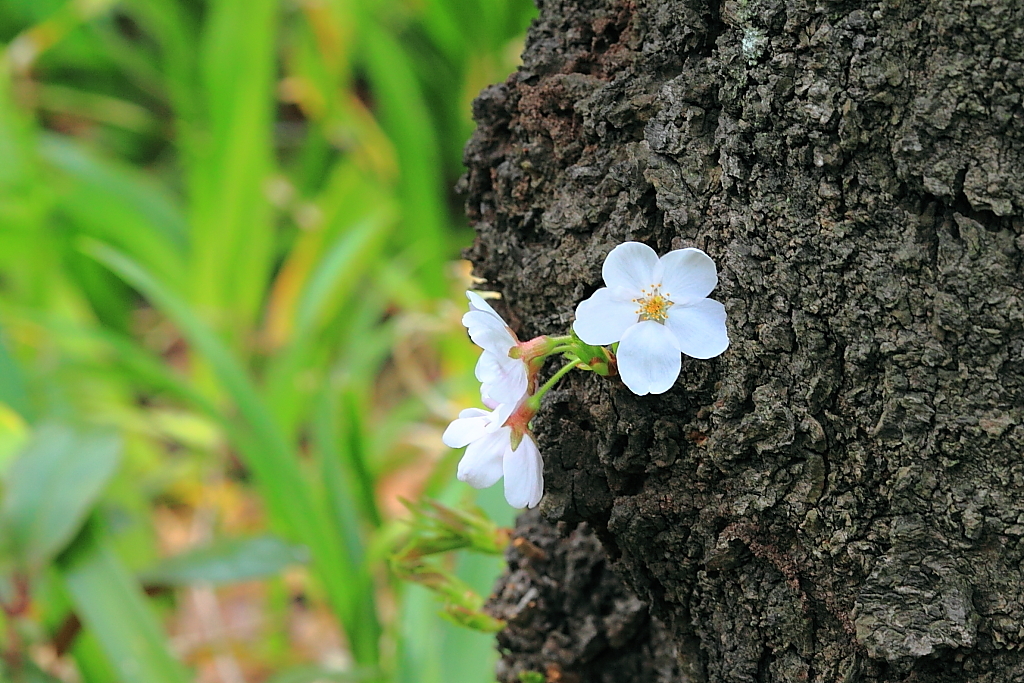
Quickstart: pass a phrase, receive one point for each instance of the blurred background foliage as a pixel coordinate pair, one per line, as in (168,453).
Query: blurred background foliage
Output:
(229,334)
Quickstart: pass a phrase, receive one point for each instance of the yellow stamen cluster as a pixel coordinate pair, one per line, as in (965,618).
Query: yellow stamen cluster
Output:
(653,305)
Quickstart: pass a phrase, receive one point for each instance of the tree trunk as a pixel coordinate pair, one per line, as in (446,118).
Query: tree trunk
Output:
(840,496)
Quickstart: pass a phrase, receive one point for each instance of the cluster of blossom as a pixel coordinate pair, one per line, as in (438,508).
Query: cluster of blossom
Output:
(649,312)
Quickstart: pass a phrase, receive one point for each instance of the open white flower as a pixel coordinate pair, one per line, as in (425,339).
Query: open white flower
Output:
(655,308)
(490,453)
(502,378)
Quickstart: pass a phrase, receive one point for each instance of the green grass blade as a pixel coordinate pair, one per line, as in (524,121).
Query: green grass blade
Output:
(227,368)
(316,674)
(407,120)
(13,390)
(51,488)
(228,560)
(357,457)
(169,24)
(233,229)
(340,490)
(92,662)
(339,270)
(328,289)
(341,493)
(108,203)
(112,606)
(124,357)
(288,495)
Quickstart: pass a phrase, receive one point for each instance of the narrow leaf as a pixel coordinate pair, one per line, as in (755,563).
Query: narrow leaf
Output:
(14,434)
(13,390)
(263,444)
(227,561)
(341,266)
(111,604)
(52,486)
(316,674)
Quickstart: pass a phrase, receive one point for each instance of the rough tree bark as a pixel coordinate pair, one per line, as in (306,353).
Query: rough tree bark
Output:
(840,496)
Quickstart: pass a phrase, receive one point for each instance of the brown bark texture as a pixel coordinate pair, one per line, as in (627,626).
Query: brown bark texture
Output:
(569,614)
(839,496)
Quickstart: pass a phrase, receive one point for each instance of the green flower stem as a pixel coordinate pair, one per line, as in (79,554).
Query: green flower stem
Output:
(560,349)
(533,403)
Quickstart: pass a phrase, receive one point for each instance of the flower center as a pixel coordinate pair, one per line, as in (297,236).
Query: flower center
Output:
(653,305)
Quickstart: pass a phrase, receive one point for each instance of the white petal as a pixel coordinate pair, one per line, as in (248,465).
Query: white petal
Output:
(468,428)
(481,466)
(689,275)
(604,317)
(648,358)
(496,367)
(478,303)
(476,321)
(501,413)
(524,474)
(632,266)
(507,390)
(502,393)
(488,332)
(473,412)
(699,328)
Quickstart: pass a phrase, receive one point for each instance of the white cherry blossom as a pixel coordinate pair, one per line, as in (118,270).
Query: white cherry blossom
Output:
(655,308)
(490,454)
(502,378)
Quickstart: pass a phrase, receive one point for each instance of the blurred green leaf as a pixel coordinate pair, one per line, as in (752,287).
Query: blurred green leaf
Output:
(316,674)
(348,527)
(274,180)
(227,561)
(92,662)
(356,457)
(29,673)
(408,122)
(101,108)
(340,268)
(13,435)
(13,390)
(52,486)
(266,449)
(273,462)
(121,204)
(436,528)
(233,230)
(110,603)
(329,287)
